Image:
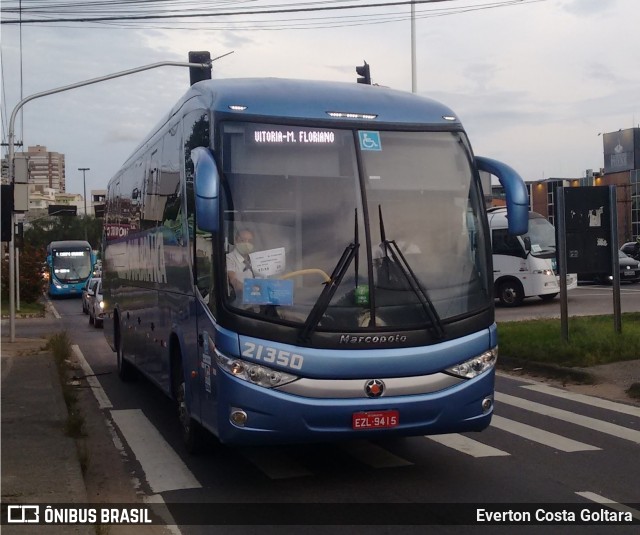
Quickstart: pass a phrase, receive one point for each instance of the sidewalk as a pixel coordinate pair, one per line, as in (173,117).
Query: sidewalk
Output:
(40,464)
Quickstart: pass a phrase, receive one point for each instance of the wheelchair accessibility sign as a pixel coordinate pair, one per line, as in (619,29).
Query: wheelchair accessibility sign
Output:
(369,140)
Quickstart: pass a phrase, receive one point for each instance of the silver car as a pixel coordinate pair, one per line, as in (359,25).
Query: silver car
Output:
(96,305)
(91,285)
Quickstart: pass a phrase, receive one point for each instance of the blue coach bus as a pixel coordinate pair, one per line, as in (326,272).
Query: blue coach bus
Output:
(365,304)
(70,265)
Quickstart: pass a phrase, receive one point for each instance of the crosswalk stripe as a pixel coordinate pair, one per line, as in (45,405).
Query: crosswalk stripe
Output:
(467,445)
(587,400)
(610,503)
(373,455)
(161,465)
(540,436)
(566,416)
(274,464)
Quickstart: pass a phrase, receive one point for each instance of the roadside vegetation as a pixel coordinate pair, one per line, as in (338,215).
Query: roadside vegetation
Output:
(26,309)
(60,345)
(592,341)
(31,280)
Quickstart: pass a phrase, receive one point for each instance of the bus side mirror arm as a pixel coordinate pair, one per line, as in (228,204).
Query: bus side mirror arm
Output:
(515,191)
(207,186)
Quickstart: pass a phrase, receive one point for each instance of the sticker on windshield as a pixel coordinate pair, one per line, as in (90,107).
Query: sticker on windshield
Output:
(369,140)
(267,292)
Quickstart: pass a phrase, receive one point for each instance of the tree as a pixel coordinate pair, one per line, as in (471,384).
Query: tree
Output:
(31,281)
(47,229)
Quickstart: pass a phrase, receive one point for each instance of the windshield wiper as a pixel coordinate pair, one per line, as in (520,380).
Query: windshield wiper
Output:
(330,287)
(399,260)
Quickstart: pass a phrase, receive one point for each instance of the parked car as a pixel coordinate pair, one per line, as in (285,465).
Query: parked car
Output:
(632,249)
(629,271)
(96,306)
(91,285)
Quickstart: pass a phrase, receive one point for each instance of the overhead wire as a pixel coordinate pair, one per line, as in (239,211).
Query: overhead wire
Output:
(305,7)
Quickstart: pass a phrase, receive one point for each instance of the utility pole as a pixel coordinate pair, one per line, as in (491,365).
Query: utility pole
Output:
(10,139)
(84,182)
(414,75)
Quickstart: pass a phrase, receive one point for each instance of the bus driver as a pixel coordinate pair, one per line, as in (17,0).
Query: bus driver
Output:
(238,261)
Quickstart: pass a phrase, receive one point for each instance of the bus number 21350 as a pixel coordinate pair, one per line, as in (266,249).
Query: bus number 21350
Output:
(272,355)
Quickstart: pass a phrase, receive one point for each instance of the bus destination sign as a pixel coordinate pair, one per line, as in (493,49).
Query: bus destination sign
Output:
(274,135)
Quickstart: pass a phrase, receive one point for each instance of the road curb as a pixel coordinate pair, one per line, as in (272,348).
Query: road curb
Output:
(552,371)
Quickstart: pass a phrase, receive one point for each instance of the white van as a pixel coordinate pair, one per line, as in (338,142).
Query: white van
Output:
(524,266)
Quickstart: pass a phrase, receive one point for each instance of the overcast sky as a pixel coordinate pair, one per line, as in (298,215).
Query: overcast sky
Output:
(534,83)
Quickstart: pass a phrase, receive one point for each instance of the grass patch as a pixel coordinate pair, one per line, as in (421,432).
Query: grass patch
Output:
(60,345)
(27,309)
(592,340)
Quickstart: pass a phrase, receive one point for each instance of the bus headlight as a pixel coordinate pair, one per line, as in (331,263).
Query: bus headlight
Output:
(548,272)
(475,366)
(254,373)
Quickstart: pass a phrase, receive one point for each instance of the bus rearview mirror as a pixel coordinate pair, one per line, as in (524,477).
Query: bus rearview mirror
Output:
(207,186)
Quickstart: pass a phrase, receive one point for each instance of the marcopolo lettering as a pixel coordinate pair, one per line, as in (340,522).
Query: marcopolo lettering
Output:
(372,339)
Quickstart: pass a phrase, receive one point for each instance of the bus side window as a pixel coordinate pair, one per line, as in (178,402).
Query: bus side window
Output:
(169,190)
(507,244)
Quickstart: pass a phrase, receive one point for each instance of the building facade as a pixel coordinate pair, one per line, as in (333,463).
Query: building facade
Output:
(621,169)
(46,169)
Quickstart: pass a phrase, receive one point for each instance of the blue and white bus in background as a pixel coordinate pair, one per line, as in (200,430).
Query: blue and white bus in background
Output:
(525,266)
(366,308)
(70,265)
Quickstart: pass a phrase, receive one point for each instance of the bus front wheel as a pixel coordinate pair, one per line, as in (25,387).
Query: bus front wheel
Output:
(510,293)
(126,371)
(191,431)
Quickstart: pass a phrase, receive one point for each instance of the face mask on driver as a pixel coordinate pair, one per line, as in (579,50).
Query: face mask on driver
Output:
(244,248)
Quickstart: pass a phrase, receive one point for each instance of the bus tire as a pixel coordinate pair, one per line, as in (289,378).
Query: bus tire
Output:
(126,371)
(548,297)
(191,430)
(510,293)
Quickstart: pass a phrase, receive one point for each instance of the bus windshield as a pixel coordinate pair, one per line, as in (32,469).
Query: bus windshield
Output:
(542,235)
(71,265)
(389,219)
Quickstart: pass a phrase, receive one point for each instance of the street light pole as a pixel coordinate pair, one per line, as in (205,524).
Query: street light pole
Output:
(11,142)
(414,74)
(84,182)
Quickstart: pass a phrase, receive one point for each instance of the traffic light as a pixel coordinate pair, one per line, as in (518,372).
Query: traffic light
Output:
(7,211)
(197,74)
(364,75)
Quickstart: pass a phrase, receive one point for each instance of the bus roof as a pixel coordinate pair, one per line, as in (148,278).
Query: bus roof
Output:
(286,99)
(66,244)
(308,99)
(498,217)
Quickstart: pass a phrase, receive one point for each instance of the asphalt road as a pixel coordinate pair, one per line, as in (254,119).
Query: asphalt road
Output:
(585,300)
(544,447)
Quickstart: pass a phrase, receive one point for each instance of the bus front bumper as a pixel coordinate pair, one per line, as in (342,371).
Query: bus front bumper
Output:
(272,417)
